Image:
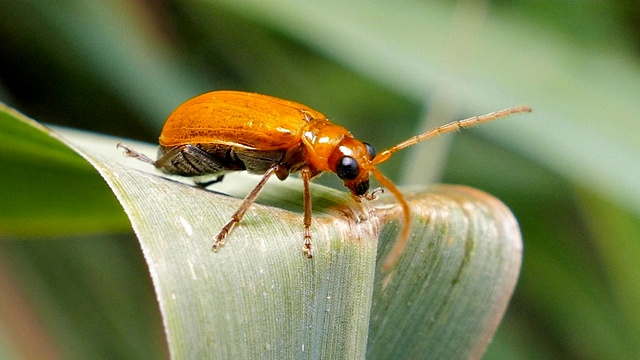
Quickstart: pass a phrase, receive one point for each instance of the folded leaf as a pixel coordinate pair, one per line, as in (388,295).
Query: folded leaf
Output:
(260,297)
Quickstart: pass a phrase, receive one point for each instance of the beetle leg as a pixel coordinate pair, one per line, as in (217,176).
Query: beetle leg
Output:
(166,158)
(306,248)
(237,216)
(210,182)
(129,152)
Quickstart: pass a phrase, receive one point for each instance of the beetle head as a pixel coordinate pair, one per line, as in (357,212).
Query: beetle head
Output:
(351,161)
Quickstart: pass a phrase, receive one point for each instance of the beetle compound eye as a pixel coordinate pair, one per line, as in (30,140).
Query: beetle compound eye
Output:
(347,168)
(370,150)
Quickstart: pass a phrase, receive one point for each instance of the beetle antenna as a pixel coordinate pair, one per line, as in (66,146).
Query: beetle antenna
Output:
(452,126)
(401,242)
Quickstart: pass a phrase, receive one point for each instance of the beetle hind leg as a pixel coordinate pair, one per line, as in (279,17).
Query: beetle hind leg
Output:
(129,152)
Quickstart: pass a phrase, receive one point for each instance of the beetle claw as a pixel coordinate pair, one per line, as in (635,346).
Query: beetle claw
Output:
(219,241)
(217,245)
(306,248)
(373,194)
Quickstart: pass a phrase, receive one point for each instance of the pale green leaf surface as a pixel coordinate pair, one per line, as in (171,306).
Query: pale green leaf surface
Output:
(441,283)
(260,297)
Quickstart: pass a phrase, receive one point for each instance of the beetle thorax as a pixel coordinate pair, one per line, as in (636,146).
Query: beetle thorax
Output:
(320,138)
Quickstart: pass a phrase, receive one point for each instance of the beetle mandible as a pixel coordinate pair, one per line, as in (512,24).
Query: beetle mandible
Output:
(224,131)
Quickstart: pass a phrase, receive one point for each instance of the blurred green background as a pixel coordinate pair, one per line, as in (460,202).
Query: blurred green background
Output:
(385,70)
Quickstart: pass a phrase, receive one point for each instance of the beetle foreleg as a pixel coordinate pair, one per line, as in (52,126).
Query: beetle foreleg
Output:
(306,248)
(237,216)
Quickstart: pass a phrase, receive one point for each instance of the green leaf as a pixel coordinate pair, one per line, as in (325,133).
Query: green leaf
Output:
(440,299)
(260,297)
(37,165)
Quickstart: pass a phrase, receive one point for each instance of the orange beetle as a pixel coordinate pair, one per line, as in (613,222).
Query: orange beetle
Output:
(224,131)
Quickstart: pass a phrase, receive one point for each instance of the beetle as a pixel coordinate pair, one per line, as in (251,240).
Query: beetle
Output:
(225,131)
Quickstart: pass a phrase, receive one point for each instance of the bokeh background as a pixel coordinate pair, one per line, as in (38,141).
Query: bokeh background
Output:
(385,70)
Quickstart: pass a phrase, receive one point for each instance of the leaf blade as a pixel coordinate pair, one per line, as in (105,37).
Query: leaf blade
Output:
(455,283)
(259,296)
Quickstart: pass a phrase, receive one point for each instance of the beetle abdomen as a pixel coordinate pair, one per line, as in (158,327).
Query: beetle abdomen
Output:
(212,159)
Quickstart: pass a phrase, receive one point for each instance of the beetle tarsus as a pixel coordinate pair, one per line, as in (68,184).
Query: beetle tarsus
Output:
(219,242)
(220,238)
(306,248)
